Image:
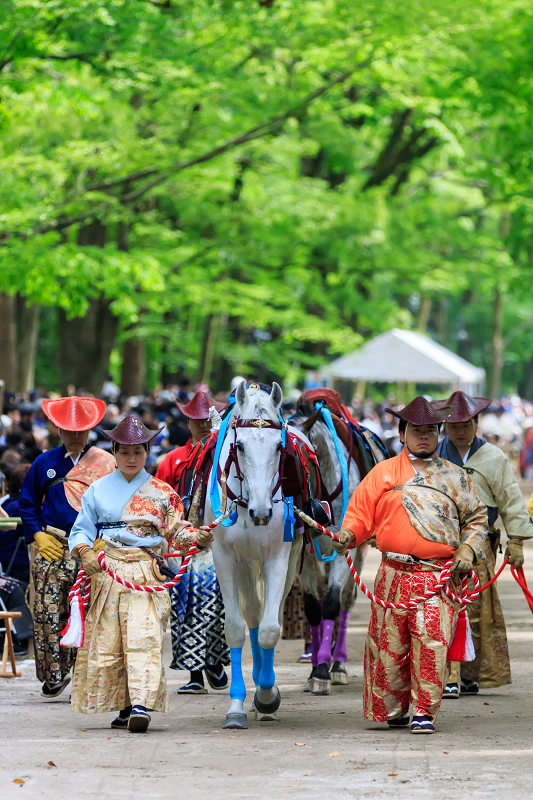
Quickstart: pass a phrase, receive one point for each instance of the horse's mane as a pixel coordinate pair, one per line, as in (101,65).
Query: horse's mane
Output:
(258,405)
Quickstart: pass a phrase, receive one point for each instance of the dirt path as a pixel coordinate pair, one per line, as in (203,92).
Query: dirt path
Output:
(321,747)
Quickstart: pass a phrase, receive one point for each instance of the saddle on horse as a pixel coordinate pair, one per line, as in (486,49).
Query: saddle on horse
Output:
(363,445)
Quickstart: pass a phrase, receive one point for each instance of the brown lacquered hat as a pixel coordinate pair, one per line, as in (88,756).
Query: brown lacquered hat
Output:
(198,407)
(74,413)
(464,407)
(420,412)
(131,431)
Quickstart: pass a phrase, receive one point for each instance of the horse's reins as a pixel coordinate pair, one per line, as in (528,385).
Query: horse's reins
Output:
(233,456)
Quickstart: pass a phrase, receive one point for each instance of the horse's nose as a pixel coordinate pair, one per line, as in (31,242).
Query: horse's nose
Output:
(260,520)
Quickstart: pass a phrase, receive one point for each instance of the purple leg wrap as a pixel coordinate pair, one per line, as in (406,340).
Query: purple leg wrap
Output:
(340,653)
(315,644)
(324,654)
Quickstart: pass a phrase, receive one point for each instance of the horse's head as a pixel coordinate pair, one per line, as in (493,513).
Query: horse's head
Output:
(258,446)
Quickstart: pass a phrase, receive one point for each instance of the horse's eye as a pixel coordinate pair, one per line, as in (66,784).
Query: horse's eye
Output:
(240,446)
(279,447)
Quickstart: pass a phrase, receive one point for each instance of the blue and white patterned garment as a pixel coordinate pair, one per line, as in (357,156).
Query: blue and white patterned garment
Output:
(197,618)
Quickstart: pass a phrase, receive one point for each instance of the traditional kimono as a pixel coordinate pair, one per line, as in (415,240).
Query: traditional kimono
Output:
(428,515)
(197,609)
(497,488)
(120,663)
(51,496)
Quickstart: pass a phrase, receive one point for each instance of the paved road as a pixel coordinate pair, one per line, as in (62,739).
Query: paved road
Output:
(321,747)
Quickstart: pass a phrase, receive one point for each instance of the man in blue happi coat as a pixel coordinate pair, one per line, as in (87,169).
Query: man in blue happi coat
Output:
(49,504)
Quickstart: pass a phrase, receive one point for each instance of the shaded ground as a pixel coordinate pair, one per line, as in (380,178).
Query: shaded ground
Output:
(321,747)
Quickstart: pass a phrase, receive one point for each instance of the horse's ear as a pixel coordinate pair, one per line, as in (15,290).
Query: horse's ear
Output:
(276,395)
(240,394)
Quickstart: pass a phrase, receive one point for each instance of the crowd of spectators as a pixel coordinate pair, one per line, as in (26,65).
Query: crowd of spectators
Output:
(25,432)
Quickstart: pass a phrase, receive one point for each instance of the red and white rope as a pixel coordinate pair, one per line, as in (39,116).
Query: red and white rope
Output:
(445,582)
(161,587)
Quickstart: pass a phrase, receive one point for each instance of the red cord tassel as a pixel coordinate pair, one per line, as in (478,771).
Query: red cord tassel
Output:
(462,645)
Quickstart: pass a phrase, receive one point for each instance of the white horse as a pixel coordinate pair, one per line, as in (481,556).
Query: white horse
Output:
(251,453)
(328,586)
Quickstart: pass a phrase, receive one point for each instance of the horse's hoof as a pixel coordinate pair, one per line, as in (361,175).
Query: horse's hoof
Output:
(319,686)
(266,717)
(236,722)
(267,708)
(339,676)
(307,687)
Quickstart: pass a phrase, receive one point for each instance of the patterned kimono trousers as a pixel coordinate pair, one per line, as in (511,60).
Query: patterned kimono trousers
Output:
(497,487)
(427,515)
(53,579)
(121,661)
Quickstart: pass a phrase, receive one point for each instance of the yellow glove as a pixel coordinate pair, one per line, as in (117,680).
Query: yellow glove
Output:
(515,552)
(346,538)
(98,545)
(89,561)
(48,546)
(463,559)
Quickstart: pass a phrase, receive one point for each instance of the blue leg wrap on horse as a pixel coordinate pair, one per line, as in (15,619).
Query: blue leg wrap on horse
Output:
(237,689)
(267,677)
(256,653)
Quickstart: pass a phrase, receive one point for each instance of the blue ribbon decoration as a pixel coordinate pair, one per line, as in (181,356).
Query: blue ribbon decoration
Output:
(215,490)
(289,520)
(326,416)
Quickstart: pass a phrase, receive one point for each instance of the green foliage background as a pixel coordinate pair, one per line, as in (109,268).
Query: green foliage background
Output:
(272,182)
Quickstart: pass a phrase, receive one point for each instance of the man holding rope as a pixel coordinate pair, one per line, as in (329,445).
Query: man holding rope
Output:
(424,511)
(497,487)
(120,663)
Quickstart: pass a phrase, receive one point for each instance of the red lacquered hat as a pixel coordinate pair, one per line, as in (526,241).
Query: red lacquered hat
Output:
(464,407)
(132,431)
(420,412)
(198,407)
(74,413)
(331,398)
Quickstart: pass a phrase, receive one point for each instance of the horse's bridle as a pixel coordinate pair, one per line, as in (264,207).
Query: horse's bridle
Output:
(233,455)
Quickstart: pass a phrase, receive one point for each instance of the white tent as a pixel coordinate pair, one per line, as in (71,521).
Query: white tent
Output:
(406,357)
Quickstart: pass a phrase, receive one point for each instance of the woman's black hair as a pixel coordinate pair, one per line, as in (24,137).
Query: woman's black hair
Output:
(115,445)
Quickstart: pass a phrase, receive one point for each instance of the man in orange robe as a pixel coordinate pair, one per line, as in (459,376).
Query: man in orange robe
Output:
(424,509)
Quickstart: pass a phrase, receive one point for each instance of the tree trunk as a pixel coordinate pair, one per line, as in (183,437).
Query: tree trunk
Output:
(27,333)
(442,320)
(497,344)
(133,367)
(208,348)
(85,345)
(525,387)
(424,313)
(8,342)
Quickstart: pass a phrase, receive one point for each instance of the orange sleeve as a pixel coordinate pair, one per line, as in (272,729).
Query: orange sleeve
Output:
(361,510)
